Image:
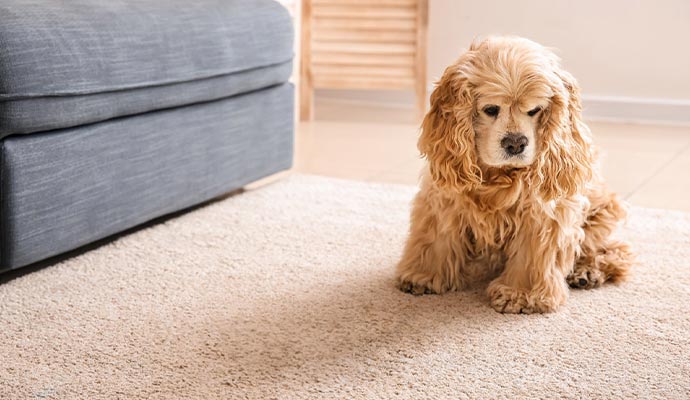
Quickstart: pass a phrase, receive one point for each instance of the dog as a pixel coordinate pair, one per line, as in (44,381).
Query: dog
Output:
(510,192)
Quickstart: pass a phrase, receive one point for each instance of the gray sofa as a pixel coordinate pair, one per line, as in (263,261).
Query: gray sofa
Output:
(113,113)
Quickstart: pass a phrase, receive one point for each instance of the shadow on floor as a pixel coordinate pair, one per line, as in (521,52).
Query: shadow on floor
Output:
(12,274)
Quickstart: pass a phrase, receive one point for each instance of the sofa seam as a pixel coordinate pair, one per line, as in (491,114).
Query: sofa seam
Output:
(6,97)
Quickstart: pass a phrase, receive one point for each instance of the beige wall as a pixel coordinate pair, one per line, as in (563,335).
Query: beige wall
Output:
(621,48)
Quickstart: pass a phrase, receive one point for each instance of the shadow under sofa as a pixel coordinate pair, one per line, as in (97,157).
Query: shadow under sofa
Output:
(111,116)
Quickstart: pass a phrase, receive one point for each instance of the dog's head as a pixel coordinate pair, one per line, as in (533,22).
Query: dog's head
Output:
(507,104)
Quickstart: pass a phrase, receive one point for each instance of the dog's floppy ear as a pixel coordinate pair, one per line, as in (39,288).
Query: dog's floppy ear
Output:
(447,138)
(564,165)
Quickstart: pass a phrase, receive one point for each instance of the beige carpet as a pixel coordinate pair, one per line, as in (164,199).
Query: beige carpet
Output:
(287,292)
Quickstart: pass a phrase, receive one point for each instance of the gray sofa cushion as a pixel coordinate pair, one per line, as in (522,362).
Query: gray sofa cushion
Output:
(60,190)
(50,50)
(48,113)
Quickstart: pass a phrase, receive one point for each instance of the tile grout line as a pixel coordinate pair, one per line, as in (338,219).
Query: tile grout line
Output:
(657,171)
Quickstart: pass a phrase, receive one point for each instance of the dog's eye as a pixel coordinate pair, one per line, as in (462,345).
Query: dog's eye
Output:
(533,111)
(491,111)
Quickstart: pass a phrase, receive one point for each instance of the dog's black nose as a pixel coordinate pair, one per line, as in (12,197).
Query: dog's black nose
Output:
(514,143)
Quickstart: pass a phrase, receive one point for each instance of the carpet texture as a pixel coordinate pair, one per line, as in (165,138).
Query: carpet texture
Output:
(287,292)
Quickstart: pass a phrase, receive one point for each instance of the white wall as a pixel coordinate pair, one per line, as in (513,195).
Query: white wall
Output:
(630,48)
(631,57)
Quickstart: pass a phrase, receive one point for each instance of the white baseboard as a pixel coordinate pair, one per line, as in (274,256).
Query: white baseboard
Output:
(636,109)
(596,108)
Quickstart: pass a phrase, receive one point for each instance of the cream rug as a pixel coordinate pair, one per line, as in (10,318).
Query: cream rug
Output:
(287,292)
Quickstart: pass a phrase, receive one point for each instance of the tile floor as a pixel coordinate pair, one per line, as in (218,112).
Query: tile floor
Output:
(648,164)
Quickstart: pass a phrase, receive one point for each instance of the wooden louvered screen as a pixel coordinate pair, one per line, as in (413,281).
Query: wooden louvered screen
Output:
(363,44)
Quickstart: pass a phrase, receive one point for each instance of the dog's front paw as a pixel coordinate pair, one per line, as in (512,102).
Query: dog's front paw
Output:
(585,277)
(415,289)
(420,284)
(506,299)
(511,302)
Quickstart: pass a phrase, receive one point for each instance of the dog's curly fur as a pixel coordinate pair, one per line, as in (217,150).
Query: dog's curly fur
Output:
(534,224)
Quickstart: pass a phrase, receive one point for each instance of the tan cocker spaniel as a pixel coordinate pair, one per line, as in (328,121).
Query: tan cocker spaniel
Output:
(511,191)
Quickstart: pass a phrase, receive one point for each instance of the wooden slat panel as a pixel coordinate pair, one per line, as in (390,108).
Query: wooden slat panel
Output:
(342,12)
(356,24)
(363,48)
(366,44)
(370,6)
(344,82)
(362,59)
(306,88)
(364,71)
(366,36)
(393,3)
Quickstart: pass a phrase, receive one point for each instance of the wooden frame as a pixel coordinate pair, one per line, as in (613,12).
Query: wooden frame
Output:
(363,44)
